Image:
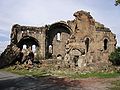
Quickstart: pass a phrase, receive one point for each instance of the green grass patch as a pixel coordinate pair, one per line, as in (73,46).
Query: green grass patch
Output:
(39,72)
(31,72)
(77,75)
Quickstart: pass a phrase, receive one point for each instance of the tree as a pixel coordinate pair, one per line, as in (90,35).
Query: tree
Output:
(117,2)
(115,57)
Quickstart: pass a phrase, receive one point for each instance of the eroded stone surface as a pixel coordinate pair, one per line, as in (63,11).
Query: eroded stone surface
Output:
(83,39)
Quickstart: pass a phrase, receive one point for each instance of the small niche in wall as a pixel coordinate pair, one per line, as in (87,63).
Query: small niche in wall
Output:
(105,44)
(27,31)
(24,46)
(22,32)
(87,41)
(33,48)
(58,36)
(50,49)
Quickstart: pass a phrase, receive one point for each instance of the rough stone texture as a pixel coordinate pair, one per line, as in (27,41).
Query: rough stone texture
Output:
(9,56)
(79,42)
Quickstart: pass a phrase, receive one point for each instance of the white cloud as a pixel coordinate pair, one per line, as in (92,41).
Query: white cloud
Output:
(41,12)
(3,35)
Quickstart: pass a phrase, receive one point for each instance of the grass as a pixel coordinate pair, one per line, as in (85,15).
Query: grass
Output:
(38,72)
(77,75)
(71,74)
(31,72)
(116,85)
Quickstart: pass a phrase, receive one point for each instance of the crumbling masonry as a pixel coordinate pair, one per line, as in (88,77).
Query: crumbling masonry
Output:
(77,42)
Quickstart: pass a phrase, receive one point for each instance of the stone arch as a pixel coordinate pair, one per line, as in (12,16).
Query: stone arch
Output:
(91,39)
(75,54)
(87,40)
(57,35)
(28,41)
(105,40)
(26,45)
(75,51)
(105,37)
(59,57)
(53,30)
(63,24)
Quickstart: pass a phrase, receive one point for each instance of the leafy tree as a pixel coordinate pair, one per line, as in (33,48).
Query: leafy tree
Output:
(117,2)
(115,57)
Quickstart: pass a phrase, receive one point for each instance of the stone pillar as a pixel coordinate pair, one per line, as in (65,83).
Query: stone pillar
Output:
(29,48)
(42,43)
(67,59)
(81,61)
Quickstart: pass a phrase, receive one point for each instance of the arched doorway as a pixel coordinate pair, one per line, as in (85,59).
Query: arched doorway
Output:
(28,43)
(75,54)
(28,46)
(57,35)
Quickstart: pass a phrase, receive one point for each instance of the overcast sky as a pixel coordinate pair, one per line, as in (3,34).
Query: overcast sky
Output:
(41,12)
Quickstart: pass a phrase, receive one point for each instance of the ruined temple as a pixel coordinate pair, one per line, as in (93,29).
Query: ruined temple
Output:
(76,42)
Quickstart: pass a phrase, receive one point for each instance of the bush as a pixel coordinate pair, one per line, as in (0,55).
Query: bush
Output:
(115,57)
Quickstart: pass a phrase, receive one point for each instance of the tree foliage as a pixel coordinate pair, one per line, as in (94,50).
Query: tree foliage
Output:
(117,2)
(115,57)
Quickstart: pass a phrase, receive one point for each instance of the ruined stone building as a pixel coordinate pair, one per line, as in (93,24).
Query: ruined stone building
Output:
(79,41)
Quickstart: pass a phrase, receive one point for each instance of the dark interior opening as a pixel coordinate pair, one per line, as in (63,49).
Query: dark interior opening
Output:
(87,44)
(28,41)
(54,30)
(75,60)
(105,44)
(26,45)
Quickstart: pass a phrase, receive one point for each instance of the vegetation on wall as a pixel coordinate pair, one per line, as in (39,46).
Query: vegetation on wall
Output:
(38,55)
(117,2)
(115,57)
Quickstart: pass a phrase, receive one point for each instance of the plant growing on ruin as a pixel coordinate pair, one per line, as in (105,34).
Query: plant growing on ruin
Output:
(38,55)
(117,2)
(115,57)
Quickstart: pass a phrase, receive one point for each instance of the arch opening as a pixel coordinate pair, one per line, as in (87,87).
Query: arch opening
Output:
(29,47)
(87,42)
(75,60)
(24,46)
(33,48)
(105,44)
(57,35)
(59,57)
(28,43)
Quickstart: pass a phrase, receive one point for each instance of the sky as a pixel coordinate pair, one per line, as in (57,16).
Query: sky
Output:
(42,12)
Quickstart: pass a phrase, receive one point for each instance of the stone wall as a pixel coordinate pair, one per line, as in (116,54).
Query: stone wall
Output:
(77,42)
(9,56)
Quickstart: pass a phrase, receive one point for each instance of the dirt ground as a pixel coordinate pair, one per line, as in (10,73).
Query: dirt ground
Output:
(9,81)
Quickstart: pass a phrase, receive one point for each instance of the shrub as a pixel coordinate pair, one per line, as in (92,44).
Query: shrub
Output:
(115,57)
